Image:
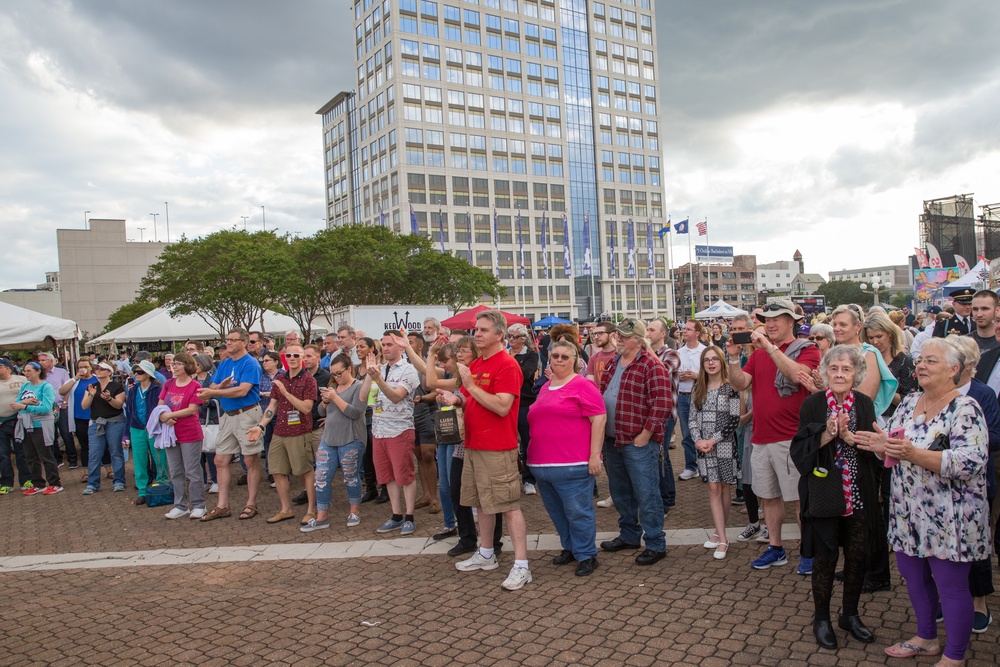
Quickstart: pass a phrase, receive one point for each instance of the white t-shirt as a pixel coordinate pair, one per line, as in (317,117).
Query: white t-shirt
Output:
(690,361)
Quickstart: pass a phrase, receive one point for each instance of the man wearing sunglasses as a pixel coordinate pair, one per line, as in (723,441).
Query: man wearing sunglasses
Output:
(772,375)
(636,389)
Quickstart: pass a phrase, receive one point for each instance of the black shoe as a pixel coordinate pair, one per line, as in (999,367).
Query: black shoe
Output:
(825,636)
(839,575)
(563,558)
(444,534)
(648,557)
(301,499)
(875,586)
(140,501)
(667,508)
(739,500)
(242,481)
(617,544)
(383,496)
(586,566)
(461,549)
(370,495)
(857,629)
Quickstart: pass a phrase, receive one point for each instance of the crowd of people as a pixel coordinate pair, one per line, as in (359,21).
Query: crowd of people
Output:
(880,429)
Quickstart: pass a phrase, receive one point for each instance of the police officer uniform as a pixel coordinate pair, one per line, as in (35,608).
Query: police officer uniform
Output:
(957,325)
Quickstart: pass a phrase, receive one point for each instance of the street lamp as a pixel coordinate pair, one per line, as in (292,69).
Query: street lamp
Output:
(874,287)
(244,221)
(141,230)
(155,238)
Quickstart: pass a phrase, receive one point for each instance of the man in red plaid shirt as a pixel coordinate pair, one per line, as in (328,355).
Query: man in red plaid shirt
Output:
(636,389)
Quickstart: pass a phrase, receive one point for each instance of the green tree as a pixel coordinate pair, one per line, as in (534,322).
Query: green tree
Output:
(838,292)
(900,299)
(129,312)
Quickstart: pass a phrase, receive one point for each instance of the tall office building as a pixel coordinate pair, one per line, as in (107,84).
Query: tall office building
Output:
(494,127)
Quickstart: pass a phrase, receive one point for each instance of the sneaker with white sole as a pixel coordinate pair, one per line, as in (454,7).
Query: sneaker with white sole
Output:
(353,520)
(214,488)
(772,557)
(687,474)
(529,489)
(52,490)
(198,512)
(606,503)
(389,526)
(176,513)
(312,524)
(518,577)
(764,537)
(407,528)
(477,562)
(748,532)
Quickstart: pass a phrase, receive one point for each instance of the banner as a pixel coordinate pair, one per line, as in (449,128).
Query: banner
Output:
(963,266)
(414,228)
(468,227)
(649,250)
(713,253)
(441,228)
(934,257)
(612,269)
(520,243)
(927,281)
(922,261)
(588,267)
(630,271)
(567,260)
(496,248)
(545,255)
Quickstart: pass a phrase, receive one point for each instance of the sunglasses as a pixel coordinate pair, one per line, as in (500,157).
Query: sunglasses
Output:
(140,372)
(561,357)
(773,307)
(517,336)
(293,355)
(815,338)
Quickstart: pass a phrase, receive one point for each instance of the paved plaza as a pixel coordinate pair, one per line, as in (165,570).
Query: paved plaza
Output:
(98,581)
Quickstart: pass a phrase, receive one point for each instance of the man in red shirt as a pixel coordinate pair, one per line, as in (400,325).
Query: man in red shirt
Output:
(604,350)
(292,396)
(771,373)
(490,394)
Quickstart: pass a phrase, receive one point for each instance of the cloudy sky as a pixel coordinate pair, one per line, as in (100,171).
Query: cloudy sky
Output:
(817,126)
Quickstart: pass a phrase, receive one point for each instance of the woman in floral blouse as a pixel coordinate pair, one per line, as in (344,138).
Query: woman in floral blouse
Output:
(938,514)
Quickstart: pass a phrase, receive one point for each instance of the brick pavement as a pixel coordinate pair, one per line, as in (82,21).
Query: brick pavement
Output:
(687,610)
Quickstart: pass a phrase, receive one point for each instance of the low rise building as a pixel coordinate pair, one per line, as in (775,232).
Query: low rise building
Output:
(701,285)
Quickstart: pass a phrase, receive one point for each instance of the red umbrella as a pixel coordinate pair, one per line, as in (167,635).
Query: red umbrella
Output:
(466,320)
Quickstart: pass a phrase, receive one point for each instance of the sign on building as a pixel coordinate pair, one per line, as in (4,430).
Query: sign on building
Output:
(714,253)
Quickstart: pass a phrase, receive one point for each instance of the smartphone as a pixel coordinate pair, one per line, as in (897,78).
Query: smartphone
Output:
(891,461)
(741,338)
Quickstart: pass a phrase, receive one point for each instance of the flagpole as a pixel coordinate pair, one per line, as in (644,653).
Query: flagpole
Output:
(567,239)
(517,279)
(587,243)
(708,256)
(635,272)
(670,272)
(694,290)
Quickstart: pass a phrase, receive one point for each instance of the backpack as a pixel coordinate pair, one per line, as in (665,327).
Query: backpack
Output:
(159,493)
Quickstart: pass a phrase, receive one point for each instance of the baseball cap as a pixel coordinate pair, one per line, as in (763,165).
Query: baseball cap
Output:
(630,327)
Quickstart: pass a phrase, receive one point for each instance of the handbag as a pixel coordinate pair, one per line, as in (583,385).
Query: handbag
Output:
(210,433)
(825,487)
(448,427)
(159,494)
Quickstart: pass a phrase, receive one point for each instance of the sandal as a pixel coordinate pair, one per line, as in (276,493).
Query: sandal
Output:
(281,516)
(249,512)
(720,551)
(217,513)
(713,542)
(908,650)
(307,518)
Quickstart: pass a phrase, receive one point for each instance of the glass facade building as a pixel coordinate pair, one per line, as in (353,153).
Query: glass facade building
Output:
(481,112)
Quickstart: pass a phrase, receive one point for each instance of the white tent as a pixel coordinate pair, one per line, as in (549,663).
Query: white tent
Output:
(719,309)
(21,328)
(978,276)
(157,325)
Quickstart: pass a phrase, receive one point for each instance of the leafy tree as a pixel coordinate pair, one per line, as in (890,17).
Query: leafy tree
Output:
(838,292)
(900,299)
(129,312)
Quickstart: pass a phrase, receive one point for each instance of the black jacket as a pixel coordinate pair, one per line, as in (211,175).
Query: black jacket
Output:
(822,537)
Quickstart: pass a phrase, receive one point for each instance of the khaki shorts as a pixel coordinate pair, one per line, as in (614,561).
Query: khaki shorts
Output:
(233,433)
(290,455)
(491,480)
(774,474)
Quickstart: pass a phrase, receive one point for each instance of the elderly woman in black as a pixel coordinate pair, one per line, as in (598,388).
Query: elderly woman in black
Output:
(838,489)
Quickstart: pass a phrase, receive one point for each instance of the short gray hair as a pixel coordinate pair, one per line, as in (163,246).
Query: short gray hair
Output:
(745,319)
(968,347)
(953,356)
(518,329)
(850,352)
(494,316)
(821,329)
(434,322)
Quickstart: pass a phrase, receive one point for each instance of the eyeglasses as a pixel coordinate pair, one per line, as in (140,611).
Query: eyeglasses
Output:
(253,342)
(714,360)
(517,336)
(338,374)
(561,357)
(233,340)
(293,355)
(815,338)
(176,363)
(601,333)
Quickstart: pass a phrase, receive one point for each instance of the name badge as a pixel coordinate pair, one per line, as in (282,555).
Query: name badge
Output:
(294,418)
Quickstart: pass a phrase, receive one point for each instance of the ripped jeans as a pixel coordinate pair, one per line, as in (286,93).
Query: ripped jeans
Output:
(328,459)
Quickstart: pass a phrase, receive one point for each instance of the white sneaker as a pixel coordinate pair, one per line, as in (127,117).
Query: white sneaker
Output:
(477,562)
(688,474)
(214,488)
(518,577)
(353,520)
(198,513)
(177,513)
(764,537)
(529,489)
(607,502)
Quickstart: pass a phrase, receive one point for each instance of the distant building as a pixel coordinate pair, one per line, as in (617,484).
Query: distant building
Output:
(51,283)
(735,283)
(100,271)
(807,283)
(776,277)
(897,274)
(43,301)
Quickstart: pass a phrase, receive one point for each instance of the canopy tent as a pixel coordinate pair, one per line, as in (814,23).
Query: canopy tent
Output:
(157,325)
(978,276)
(22,329)
(466,320)
(719,309)
(551,321)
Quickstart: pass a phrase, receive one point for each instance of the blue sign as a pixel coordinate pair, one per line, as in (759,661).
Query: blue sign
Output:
(713,253)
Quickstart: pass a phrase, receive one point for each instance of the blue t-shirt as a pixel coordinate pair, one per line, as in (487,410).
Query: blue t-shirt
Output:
(78,393)
(247,369)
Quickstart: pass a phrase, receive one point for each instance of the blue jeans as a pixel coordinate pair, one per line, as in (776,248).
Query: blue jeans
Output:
(668,485)
(524,435)
(111,439)
(444,456)
(684,415)
(328,459)
(567,495)
(8,447)
(635,488)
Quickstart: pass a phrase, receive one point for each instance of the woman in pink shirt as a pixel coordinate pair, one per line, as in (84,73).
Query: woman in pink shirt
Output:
(567,432)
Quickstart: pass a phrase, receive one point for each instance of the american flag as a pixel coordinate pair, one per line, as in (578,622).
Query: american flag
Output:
(702,228)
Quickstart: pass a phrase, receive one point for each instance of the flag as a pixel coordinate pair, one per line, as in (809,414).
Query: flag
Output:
(496,248)
(963,266)
(468,228)
(702,228)
(441,228)
(545,255)
(520,243)
(414,228)
(664,230)
(588,268)
(612,269)
(922,262)
(630,270)
(681,227)
(934,257)
(567,260)
(649,249)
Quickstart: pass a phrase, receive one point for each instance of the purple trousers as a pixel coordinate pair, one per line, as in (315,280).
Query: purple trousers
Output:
(933,580)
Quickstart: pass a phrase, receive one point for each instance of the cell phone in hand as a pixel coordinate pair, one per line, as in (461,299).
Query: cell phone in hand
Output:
(891,461)
(741,338)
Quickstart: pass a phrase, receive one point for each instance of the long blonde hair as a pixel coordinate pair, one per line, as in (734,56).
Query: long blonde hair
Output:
(701,385)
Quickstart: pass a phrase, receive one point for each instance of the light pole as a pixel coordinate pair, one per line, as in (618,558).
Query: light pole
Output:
(141,230)
(263,220)
(244,221)
(875,286)
(166,210)
(85,219)
(155,238)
